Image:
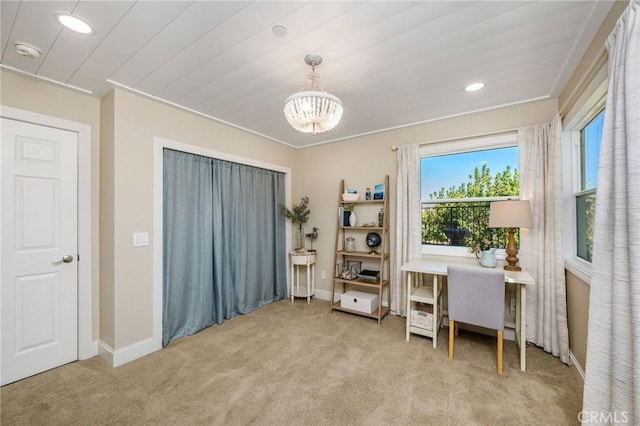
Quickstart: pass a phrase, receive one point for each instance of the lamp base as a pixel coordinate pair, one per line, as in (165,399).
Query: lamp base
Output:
(512,253)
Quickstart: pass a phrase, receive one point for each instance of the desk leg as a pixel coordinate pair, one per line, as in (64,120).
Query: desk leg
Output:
(434,324)
(409,275)
(523,327)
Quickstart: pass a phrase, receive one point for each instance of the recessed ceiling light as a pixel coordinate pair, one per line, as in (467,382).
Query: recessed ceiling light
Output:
(74,23)
(473,87)
(279,31)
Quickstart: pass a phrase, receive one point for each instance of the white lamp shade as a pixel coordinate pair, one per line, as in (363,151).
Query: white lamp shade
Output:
(510,214)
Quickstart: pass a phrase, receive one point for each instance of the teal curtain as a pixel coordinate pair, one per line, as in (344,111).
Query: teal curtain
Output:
(224,241)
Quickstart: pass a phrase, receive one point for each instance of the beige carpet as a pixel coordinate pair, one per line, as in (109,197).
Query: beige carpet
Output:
(298,364)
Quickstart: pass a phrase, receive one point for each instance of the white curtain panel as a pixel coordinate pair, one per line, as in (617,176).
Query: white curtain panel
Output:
(541,246)
(612,382)
(408,223)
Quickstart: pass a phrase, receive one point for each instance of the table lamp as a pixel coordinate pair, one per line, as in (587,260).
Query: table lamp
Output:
(510,214)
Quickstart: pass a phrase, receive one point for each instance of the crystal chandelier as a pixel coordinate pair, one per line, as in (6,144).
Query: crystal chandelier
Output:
(313,111)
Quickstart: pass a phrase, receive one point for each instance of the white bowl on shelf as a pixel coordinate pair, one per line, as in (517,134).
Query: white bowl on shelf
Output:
(350,197)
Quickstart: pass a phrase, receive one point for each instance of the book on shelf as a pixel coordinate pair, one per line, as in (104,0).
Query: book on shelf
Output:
(367,275)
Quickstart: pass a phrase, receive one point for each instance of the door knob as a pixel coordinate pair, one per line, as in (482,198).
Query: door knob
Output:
(67,258)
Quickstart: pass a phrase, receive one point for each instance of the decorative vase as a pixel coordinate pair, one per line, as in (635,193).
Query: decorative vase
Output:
(488,258)
(299,238)
(352,219)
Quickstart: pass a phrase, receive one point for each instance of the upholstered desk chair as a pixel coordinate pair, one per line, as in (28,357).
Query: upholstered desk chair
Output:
(476,296)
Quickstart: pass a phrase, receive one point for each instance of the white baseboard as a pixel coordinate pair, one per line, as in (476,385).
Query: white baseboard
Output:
(106,353)
(116,358)
(89,351)
(323,294)
(576,369)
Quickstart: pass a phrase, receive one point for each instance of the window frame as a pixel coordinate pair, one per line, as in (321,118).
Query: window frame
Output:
(457,146)
(572,178)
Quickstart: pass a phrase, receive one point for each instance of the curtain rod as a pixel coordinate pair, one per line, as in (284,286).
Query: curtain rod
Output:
(479,135)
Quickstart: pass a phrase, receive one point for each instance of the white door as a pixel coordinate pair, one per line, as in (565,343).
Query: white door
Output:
(39,249)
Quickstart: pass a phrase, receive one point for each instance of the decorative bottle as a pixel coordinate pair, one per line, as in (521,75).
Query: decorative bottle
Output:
(381,218)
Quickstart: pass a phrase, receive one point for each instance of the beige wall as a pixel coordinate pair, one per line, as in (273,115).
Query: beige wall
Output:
(137,120)
(28,94)
(365,161)
(577,316)
(107,167)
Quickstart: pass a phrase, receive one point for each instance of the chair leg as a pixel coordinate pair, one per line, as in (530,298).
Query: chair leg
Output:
(499,351)
(451,327)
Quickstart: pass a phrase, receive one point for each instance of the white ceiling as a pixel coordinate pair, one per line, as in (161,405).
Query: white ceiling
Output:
(392,63)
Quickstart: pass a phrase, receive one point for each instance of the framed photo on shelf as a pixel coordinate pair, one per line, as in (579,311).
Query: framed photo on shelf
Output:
(378,191)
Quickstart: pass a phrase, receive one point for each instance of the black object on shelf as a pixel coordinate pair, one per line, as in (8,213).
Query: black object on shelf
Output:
(345,218)
(368,275)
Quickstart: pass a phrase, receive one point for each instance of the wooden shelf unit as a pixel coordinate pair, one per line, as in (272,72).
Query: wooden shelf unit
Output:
(383,255)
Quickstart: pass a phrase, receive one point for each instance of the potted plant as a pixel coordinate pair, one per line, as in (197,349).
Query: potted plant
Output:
(298,215)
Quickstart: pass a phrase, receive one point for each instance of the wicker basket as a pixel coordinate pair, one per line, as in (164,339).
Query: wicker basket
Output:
(422,315)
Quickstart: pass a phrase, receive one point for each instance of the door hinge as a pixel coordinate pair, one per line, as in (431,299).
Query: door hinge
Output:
(78,258)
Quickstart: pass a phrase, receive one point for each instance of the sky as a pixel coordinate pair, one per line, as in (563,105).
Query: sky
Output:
(592,136)
(454,169)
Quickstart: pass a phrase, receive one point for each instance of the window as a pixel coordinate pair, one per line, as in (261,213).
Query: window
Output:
(581,136)
(585,197)
(459,179)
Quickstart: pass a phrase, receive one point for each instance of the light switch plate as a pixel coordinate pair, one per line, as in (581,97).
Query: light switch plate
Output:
(140,239)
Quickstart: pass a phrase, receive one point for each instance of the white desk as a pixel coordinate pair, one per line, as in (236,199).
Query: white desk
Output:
(297,260)
(437,266)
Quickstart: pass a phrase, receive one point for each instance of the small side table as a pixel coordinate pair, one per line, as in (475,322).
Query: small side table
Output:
(307,259)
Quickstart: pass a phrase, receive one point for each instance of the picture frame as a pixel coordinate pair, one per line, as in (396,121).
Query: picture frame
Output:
(378,191)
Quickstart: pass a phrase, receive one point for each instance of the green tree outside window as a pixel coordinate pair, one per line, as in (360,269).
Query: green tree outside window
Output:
(466,223)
